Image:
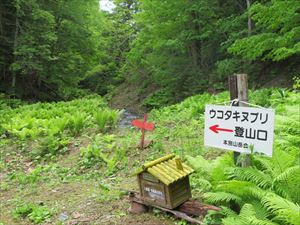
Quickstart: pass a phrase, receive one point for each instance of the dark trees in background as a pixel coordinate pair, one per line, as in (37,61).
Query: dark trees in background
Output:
(8,33)
(47,47)
(186,47)
(51,49)
(117,35)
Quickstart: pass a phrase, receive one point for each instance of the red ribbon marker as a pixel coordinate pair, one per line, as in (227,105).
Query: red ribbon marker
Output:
(143,125)
(216,129)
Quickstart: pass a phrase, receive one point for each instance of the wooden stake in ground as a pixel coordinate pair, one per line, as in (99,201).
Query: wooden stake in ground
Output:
(238,88)
(143,125)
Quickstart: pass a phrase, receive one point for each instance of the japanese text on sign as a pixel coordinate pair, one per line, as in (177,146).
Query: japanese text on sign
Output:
(238,128)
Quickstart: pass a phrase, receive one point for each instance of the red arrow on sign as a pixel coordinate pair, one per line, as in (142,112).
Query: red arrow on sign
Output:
(143,125)
(216,129)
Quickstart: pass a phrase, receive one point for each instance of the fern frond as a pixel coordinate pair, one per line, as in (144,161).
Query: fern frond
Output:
(260,211)
(282,160)
(236,187)
(287,183)
(234,220)
(246,211)
(202,184)
(252,175)
(249,214)
(222,197)
(219,165)
(255,221)
(228,211)
(284,210)
(283,177)
(256,192)
(263,163)
(199,164)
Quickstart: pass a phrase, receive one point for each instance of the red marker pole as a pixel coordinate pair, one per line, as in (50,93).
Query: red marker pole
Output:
(143,132)
(143,125)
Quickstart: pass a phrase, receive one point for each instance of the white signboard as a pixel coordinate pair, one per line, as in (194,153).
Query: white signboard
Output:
(238,128)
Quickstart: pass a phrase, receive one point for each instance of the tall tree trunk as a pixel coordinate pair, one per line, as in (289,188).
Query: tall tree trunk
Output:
(194,53)
(249,17)
(13,82)
(193,47)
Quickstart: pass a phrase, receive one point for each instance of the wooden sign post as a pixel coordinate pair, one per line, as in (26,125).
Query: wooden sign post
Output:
(143,125)
(238,88)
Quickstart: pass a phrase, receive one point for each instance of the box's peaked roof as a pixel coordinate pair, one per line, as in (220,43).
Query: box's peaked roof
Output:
(167,169)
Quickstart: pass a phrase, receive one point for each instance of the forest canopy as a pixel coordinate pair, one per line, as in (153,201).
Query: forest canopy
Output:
(63,49)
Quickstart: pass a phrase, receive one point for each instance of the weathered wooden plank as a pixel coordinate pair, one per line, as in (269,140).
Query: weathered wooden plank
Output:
(184,211)
(195,208)
(242,91)
(232,84)
(181,215)
(238,88)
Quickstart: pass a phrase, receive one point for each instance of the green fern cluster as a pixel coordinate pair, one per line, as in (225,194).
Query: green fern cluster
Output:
(107,118)
(267,192)
(103,149)
(48,127)
(43,119)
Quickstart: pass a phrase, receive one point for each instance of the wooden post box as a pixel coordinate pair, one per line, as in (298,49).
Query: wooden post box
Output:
(165,182)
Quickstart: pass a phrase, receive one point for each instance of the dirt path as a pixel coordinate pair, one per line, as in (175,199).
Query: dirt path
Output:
(80,202)
(82,199)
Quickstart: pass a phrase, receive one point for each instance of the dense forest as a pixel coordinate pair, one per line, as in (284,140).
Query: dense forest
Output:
(76,77)
(63,49)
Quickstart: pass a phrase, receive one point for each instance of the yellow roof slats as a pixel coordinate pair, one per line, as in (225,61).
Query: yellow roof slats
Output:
(166,169)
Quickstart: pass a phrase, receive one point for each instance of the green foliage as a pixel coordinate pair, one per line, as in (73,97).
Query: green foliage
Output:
(42,173)
(296,84)
(49,146)
(76,123)
(50,46)
(48,127)
(157,99)
(285,210)
(103,149)
(7,103)
(212,217)
(266,193)
(32,177)
(177,48)
(222,197)
(248,215)
(50,119)
(229,186)
(186,47)
(278,32)
(35,213)
(107,119)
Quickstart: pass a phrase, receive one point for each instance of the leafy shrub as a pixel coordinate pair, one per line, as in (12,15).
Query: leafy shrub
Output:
(35,213)
(296,84)
(44,126)
(103,149)
(76,123)
(102,119)
(9,103)
(49,146)
(261,97)
(42,119)
(107,119)
(31,177)
(158,99)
